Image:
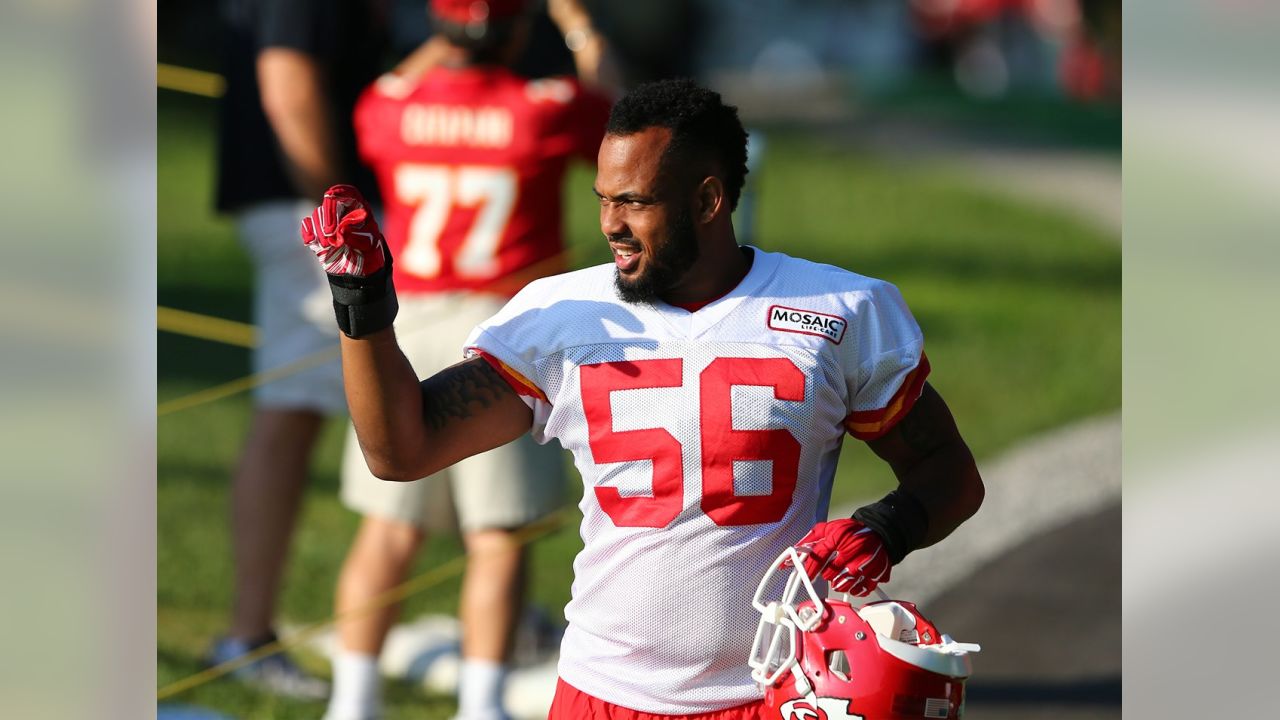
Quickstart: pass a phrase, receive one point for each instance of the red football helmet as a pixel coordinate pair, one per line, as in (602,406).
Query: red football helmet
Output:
(829,660)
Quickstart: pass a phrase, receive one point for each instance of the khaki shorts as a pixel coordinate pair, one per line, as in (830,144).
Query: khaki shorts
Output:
(293,310)
(506,487)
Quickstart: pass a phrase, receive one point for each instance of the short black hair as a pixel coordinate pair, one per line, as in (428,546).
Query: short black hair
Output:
(702,127)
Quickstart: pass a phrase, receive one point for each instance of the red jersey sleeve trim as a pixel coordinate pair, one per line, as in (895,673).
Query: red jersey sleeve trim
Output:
(522,385)
(871,424)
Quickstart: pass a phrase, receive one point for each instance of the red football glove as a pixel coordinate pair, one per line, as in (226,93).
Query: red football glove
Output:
(343,233)
(851,556)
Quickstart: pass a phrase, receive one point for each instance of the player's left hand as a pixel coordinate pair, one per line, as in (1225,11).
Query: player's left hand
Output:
(851,556)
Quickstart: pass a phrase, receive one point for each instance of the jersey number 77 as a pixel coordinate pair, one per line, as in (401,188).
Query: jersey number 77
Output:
(435,190)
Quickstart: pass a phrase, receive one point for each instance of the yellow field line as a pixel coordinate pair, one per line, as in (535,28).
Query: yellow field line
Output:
(206,327)
(432,577)
(187,80)
(239,385)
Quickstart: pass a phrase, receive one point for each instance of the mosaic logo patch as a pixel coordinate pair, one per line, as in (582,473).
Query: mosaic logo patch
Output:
(807,322)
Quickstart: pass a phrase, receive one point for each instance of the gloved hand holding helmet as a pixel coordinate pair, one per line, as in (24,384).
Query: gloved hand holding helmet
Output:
(828,658)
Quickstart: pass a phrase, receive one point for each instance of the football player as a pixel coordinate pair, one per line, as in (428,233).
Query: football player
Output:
(704,389)
(470,159)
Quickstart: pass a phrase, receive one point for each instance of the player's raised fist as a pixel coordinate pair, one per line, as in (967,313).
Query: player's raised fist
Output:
(343,233)
(851,556)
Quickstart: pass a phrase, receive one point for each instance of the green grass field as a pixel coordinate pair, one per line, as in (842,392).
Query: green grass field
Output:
(1020,307)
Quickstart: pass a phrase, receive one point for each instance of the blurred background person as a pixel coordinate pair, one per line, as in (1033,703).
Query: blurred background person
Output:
(293,71)
(470,158)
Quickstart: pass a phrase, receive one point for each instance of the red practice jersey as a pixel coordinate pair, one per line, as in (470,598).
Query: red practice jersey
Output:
(471,164)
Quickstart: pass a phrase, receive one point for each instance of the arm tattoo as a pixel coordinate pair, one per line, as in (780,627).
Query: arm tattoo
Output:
(458,391)
(927,427)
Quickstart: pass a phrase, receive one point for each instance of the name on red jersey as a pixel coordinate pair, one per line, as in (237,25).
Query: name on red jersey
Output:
(456,125)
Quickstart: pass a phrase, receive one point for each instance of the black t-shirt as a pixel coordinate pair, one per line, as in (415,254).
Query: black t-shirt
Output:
(349,39)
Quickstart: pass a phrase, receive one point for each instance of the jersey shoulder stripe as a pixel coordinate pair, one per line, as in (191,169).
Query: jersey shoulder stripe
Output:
(872,424)
(519,383)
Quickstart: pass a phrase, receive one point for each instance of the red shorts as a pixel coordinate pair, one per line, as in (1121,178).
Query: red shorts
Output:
(571,703)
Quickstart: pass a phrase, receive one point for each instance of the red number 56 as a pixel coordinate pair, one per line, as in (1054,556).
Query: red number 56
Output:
(721,443)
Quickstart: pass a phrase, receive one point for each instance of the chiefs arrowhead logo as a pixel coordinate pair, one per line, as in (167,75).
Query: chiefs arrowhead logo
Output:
(827,709)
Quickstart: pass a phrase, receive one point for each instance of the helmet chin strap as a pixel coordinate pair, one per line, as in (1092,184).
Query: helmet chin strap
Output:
(803,686)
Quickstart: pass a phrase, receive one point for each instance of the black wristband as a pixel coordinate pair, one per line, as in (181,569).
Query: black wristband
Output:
(899,519)
(365,305)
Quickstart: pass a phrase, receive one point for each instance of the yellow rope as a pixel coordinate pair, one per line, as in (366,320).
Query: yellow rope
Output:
(195,82)
(206,327)
(240,385)
(426,580)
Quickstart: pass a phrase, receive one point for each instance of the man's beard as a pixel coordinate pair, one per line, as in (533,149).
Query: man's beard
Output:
(665,266)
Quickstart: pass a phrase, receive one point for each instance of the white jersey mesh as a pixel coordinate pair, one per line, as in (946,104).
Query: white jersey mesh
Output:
(712,413)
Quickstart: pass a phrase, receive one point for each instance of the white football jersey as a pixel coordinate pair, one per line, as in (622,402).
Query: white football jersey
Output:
(707,443)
